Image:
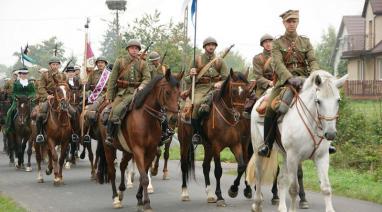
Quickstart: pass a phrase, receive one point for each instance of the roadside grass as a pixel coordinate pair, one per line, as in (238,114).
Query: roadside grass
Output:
(370,108)
(344,182)
(7,204)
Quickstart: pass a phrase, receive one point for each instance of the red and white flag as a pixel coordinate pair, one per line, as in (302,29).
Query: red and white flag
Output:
(89,56)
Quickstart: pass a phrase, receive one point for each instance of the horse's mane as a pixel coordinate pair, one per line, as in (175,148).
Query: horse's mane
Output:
(238,75)
(327,82)
(142,95)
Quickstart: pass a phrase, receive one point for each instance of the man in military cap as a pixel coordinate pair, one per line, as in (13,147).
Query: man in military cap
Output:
(262,71)
(96,87)
(48,82)
(21,87)
(129,73)
(211,79)
(293,60)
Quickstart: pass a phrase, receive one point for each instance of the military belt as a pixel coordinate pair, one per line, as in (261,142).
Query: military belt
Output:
(207,80)
(125,84)
(295,65)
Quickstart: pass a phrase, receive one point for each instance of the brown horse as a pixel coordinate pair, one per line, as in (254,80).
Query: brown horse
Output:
(57,131)
(19,138)
(140,134)
(222,128)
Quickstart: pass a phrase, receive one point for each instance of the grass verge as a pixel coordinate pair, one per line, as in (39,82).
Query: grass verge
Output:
(7,204)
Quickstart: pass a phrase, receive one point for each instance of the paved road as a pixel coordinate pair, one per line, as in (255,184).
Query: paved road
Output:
(81,194)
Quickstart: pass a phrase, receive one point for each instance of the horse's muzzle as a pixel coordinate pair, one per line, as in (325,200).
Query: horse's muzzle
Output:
(330,135)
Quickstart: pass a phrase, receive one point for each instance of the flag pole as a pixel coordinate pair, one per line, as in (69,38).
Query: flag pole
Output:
(194,58)
(22,58)
(85,76)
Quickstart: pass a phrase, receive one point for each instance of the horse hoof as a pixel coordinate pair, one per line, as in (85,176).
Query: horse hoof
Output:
(150,190)
(67,165)
(221,203)
(248,193)
(11,164)
(185,198)
(117,203)
(48,172)
(255,208)
(40,180)
(232,193)
(304,205)
(166,176)
(211,199)
(120,195)
(154,172)
(18,167)
(93,177)
(56,182)
(148,210)
(275,200)
(28,169)
(129,185)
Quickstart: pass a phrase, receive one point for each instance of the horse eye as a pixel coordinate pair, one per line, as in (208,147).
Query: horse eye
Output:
(317,101)
(338,100)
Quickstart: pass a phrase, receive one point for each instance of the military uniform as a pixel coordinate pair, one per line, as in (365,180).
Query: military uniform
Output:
(262,72)
(155,67)
(18,89)
(292,57)
(6,100)
(204,86)
(127,75)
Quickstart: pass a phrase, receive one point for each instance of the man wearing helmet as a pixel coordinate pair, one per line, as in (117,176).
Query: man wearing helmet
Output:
(96,87)
(129,72)
(212,78)
(155,66)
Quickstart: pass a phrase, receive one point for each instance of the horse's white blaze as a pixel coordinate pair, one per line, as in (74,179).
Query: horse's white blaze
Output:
(241,90)
(63,90)
(22,105)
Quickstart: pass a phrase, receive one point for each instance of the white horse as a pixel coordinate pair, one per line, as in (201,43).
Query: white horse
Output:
(306,131)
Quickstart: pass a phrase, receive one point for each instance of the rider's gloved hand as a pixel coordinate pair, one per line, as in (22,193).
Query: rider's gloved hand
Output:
(296,81)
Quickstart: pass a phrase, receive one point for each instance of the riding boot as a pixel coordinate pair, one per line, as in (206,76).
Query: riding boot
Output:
(111,130)
(39,125)
(270,125)
(167,132)
(332,149)
(197,129)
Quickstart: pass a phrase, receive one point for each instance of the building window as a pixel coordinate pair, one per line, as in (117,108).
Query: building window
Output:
(360,70)
(379,65)
(371,45)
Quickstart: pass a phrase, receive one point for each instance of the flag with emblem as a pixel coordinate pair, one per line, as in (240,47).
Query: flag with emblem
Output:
(89,56)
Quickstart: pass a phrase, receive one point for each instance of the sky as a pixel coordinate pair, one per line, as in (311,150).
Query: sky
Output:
(240,22)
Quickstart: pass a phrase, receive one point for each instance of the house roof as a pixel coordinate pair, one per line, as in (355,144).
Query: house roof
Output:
(376,6)
(377,49)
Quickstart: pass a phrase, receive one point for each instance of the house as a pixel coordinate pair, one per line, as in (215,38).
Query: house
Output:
(359,43)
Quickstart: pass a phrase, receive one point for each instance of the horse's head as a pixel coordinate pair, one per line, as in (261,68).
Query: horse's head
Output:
(62,96)
(169,91)
(234,89)
(327,99)
(23,104)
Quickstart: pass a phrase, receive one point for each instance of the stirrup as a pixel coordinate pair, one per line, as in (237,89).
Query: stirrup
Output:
(75,138)
(87,139)
(109,141)
(40,138)
(196,139)
(264,151)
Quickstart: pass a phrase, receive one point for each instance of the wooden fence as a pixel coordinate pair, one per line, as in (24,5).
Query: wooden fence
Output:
(363,89)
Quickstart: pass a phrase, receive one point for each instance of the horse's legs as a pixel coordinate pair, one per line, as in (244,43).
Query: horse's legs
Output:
(154,168)
(143,165)
(54,159)
(64,148)
(292,164)
(166,156)
(29,153)
(322,165)
(49,169)
(241,165)
(275,199)
(110,157)
(283,184)
(218,174)
(130,174)
(206,172)
(11,149)
(122,166)
(258,198)
(303,202)
(39,157)
(150,188)
(91,160)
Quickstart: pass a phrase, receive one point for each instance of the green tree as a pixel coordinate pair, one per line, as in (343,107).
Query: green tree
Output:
(236,61)
(342,68)
(325,48)
(112,45)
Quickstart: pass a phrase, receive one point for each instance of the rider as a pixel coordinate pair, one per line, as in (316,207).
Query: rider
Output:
(96,87)
(293,58)
(212,78)
(129,73)
(158,69)
(48,81)
(21,87)
(262,71)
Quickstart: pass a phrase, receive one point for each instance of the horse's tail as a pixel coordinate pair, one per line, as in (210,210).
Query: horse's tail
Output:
(187,152)
(102,174)
(268,169)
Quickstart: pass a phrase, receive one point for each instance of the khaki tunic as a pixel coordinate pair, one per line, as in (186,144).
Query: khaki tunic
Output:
(262,72)
(217,72)
(157,70)
(48,82)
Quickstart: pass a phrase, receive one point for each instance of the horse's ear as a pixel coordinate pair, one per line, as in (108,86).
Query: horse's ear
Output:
(168,74)
(180,75)
(340,82)
(231,73)
(246,73)
(317,80)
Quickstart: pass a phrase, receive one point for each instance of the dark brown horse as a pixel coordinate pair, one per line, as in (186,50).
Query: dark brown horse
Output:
(222,128)
(20,137)
(140,134)
(57,131)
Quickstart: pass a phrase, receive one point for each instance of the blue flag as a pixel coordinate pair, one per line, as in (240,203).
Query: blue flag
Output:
(193,10)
